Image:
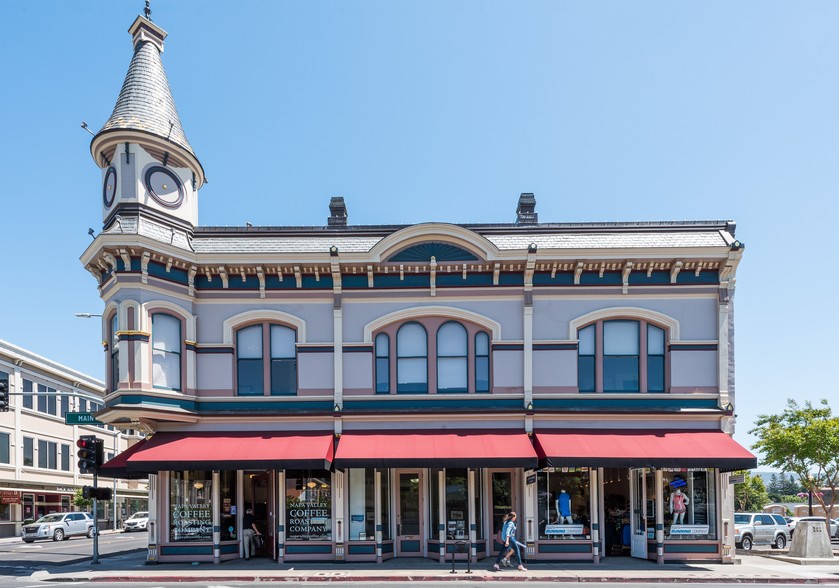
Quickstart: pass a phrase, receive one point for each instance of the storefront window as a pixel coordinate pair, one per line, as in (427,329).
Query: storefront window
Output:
(308,505)
(362,497)
(190,506)
(227,493)
(456,504)
(564,499)
(690,506)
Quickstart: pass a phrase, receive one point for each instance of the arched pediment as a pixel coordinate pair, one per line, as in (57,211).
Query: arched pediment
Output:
(444,242)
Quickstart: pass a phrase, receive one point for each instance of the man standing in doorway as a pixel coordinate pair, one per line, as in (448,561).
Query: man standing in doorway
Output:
(248,531)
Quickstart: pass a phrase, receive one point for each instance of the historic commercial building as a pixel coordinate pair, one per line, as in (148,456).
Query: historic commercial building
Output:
(39,473)
(376,392)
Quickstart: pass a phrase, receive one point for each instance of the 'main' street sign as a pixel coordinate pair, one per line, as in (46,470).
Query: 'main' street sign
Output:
(80,418)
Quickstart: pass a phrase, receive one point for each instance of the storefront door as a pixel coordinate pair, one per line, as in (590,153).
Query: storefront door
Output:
(259,495)
(637,504)
(409,507)
(502,501)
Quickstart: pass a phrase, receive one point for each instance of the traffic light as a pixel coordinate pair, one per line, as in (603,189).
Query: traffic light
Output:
(4,395)
(90,493)
(89,446)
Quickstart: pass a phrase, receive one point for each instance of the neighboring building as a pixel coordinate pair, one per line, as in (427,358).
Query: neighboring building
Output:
(374,392)
(39,472)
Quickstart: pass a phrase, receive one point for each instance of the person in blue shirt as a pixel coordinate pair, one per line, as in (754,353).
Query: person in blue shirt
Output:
(510,543)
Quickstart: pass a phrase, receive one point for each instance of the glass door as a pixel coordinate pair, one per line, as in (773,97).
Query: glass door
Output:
(502,501)
(409,514)
(637,507)
(259,496)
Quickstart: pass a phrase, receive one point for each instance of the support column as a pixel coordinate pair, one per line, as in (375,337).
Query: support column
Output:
(594,510)
(338,514)
(216,517)
(338,353)
(377,512)
(659,517)
(441,508)
(530,512)
(153,528)
(470,497)
(281,514)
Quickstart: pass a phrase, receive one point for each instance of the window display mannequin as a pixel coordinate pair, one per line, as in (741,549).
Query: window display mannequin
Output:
(563,508)
(678,506)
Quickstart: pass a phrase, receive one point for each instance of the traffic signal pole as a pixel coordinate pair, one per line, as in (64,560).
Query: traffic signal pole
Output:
(95,519)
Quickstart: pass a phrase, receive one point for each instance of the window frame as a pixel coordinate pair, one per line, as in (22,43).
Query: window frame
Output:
(179,353)
(643,357)
(113,348)
(400,357)
(464,359)
(476,357)
(381,359)
(266,360)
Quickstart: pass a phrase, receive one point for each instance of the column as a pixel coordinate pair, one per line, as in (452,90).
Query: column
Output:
(441,507)
(377,512)
(659,517)
(281,514)
(594,510)
(216,517)
(473,528)
(338,514)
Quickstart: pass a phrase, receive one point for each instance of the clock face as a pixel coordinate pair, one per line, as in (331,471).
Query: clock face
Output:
(109,187)
(164,186)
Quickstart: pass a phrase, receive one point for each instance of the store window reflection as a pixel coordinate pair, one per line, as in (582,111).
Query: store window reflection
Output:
(564,498)
(308,503)
(689,501)
(190,506)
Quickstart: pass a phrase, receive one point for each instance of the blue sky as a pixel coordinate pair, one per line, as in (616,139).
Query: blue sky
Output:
(419,111)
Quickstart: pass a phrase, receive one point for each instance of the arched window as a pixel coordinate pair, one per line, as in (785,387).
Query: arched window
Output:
(283,360)
(113,346)
(411,359)
(621,355)
(166,351)
(252,369)
(452,358)
(382,364)
(481,362)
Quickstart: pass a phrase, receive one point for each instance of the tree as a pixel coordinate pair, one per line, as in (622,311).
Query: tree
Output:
(751,495)
(80,501)
(803,440)
(774,488)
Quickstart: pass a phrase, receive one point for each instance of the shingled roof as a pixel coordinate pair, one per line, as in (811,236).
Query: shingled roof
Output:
(145,102)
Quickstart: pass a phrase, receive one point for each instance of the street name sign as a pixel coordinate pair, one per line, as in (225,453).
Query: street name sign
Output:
(80,418)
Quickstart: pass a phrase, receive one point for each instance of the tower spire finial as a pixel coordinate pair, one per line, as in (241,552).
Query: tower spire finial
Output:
(147,10)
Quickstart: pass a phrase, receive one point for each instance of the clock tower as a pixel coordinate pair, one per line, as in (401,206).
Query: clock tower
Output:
(150,174)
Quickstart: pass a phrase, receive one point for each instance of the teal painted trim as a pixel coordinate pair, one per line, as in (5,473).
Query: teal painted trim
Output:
(302,549)
(455,280)
(186,550)
(554,347)
(271,403)
(211,350)
(134,337)
(564,548)
(508,347)
(216,529)
(316,349)
(595,526)
(659,527)
(433,402)
(690,548)
(410,546)
(642,401)
(387,548)
(229,548)
(441,526)
(362,549)
(423,252)
(280,528)
(379,527)
(358,349)
(693,347)
(158,270)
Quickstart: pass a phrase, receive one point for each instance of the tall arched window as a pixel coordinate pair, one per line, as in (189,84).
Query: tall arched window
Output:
(411,359)
(481,362)
(166,351)
(452,358)
(382,364)
(586,365)
(621,350)
(655,359)
(283,360)
(113,346)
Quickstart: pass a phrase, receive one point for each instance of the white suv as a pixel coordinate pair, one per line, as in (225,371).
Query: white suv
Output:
(58,526)
(760,528)
(136,522)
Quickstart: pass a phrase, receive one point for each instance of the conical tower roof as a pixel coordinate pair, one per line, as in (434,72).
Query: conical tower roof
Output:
(145,104)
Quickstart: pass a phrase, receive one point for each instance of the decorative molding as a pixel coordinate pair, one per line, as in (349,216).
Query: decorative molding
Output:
(144,267)
(669,322)
(451,312)
(275,316)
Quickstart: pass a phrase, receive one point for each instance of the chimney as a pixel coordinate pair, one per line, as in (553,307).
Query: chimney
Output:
(337,212)
(526,211)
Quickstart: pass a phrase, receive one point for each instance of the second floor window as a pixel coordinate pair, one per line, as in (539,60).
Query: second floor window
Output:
(621,356)
(166,351)
(452,358)
(382,364)
(114,349)
(411,359)
(252,369)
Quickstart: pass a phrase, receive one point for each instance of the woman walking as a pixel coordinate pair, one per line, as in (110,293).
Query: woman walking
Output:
(508,532)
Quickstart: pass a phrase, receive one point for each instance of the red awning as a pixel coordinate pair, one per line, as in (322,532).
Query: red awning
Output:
(642,448)
(118,466)
(232,450)
(435,448)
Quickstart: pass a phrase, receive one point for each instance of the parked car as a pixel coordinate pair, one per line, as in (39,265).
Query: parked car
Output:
(58,527)
(834,528)
(136,522)
(760,528)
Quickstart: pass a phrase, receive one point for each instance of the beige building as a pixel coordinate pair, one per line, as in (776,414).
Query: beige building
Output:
(39,473)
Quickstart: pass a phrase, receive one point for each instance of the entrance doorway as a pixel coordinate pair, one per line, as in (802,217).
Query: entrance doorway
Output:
(502,501)
(409,508)
(617,533)
(637,505)
(259,495)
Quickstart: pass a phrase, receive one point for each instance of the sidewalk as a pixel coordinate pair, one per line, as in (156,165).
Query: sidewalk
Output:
(750,569)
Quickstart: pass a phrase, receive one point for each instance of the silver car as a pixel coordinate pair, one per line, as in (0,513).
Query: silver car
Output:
(136,522)
(760,528)
(58,527)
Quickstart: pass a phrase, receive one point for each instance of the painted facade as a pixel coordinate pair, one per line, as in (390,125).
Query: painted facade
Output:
(39,471)
(373,392)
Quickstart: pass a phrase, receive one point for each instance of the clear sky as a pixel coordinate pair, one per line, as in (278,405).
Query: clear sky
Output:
(447,110)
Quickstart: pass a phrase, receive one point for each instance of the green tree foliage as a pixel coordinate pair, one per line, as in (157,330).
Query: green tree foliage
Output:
(751,495)
(803,440)
(80,501)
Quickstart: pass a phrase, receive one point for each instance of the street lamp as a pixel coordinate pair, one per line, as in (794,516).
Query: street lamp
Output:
(86,315)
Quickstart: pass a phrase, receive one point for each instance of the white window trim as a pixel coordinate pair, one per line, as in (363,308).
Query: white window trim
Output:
(420,312)
(670,324)
(232,324)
